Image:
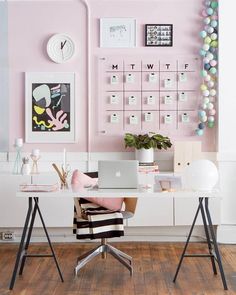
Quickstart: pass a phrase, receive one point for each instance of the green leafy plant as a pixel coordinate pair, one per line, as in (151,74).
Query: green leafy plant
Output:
(147,141)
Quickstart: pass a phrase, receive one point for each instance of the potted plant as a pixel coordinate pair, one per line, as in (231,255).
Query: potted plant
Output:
(145,144)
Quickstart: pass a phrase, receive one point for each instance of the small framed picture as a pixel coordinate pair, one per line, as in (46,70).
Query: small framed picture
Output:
(50,107)
(117,32)
(158,35)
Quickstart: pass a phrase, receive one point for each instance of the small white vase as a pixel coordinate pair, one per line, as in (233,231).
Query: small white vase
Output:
(144,155)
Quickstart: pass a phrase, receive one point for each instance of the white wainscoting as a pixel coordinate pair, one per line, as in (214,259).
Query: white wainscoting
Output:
(226,232)
(166,220)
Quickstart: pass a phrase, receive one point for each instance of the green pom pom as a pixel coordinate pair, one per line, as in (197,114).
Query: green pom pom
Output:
(203,73)
(213,71)
(214,4)
(207,40)
(214,44)
(210,124)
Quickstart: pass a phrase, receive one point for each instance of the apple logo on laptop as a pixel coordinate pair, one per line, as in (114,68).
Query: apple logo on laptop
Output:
(118,174)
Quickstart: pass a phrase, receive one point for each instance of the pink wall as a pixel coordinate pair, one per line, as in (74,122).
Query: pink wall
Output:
(32,23)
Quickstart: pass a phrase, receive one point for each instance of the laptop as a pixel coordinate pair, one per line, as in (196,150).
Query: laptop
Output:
(118,174)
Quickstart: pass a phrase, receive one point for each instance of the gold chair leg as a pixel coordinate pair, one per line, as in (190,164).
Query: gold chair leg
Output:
(104,242)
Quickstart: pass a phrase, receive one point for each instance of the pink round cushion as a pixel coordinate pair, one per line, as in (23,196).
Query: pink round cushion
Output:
(83,179)
(79,178)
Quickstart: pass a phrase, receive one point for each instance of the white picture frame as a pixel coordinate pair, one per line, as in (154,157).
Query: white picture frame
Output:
(117,32)
(50,107)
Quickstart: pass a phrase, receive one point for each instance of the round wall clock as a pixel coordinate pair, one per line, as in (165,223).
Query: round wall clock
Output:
(60,48)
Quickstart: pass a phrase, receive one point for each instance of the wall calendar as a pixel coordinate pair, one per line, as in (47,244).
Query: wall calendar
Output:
(140,95)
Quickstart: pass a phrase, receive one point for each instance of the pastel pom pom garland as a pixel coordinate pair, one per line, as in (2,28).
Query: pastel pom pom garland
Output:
(209,54)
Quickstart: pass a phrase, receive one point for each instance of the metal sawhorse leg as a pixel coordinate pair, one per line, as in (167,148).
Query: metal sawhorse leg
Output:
(25,241)
(214,253)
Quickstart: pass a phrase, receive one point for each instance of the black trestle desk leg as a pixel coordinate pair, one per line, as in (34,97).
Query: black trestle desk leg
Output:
(28,240)
(187,242)
(208,240)
(215,244)
(48,238)
(21,246)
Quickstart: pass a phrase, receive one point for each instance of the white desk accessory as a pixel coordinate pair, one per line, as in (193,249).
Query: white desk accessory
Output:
(18,146)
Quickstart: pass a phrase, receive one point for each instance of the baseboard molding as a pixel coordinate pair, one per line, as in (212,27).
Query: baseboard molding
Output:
(132,234)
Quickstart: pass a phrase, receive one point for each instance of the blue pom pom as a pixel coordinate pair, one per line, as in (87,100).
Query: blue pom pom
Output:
(212,49)
(214,23)
(202,52)
(199,132)
(203,34)
(210,11)
(201,113)
(201,125)
(207,67)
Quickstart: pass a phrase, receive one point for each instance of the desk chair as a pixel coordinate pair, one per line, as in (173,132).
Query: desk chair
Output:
(104,247)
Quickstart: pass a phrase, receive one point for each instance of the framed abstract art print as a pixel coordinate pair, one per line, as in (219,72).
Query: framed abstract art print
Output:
(50,107)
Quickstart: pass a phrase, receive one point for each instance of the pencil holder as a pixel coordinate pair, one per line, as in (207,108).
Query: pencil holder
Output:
(64,184)
(63,175)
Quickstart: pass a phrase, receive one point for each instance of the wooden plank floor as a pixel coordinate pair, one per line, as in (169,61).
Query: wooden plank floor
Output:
(154,268)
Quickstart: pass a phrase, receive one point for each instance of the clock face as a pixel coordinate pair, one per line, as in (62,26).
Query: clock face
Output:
(60,48)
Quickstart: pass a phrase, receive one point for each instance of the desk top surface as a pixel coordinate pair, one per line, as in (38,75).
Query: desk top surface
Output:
(151,191)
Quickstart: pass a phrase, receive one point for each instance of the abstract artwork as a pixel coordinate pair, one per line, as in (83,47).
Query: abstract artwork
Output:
(50,107)
(117,32)
(158,35)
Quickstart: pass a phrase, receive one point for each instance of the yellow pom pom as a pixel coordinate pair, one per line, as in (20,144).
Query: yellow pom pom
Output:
(203,87)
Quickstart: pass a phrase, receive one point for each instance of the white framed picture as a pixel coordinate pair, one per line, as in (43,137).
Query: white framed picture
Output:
(117,32)
(50,107)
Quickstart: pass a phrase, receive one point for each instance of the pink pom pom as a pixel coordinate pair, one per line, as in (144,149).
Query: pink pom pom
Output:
(213,63)
(204,13)
(212,99)
(212,112)
(215,17)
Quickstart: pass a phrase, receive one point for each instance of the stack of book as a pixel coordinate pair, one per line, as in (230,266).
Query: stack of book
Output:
(39,187)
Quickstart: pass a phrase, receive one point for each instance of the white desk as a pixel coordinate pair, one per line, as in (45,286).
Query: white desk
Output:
(153,192)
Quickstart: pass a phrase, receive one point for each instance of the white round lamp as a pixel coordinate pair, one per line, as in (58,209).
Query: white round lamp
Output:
(200,175)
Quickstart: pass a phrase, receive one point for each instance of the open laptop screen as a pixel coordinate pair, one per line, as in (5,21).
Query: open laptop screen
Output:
(118,174)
